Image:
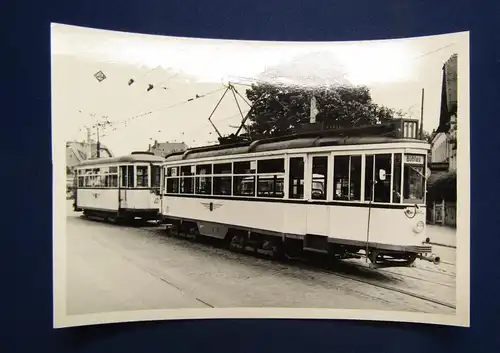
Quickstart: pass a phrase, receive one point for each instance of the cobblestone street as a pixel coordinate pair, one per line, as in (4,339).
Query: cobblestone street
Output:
(116,268)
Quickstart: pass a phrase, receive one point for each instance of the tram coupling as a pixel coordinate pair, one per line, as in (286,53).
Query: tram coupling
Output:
(432,258)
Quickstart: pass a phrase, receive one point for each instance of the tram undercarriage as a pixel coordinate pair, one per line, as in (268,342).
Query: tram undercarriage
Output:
(280,246)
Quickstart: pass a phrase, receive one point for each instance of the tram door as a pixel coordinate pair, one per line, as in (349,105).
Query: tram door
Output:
(317,193)
(126,183)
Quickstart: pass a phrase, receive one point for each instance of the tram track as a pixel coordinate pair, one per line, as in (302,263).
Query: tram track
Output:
(410,276)
(306,264)
(341,269)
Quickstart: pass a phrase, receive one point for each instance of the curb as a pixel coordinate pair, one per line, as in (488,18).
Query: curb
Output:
(443,245)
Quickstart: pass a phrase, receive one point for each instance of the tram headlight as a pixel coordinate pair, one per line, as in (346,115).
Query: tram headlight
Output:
(419,227)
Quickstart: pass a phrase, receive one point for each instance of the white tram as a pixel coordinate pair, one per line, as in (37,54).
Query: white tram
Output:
(119,188)
(337,195)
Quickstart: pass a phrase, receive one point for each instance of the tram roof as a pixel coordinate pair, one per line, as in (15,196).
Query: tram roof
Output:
(138,157)
(346,137)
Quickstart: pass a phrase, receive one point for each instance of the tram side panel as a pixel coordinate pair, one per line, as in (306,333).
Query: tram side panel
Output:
(265,216)
(381,226)
(139,199)
(97,199)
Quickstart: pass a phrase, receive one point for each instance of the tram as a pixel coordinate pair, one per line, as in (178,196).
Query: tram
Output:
(352,193)
(119,189)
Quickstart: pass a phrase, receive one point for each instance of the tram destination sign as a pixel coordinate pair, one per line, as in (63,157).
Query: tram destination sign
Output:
(414,159)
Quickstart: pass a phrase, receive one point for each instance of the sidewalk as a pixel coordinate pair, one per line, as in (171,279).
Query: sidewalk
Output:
(442,235)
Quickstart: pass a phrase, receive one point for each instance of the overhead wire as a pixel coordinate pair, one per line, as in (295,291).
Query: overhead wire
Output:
(251,79)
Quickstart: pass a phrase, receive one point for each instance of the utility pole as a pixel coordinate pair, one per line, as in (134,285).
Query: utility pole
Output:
(89,144)
(422,117)
(98,147)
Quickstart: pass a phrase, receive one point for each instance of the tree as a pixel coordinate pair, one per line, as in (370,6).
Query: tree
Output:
(442,187)
(279,110)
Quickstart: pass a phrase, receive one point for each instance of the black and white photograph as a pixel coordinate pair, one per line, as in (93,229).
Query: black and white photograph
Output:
(210,178)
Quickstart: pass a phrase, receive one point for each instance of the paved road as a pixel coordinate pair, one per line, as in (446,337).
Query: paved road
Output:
(115,268)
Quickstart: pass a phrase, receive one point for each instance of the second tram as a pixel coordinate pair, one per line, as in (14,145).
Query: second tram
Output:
(119,188)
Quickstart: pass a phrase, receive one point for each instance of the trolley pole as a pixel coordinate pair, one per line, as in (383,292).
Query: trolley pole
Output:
(422,117)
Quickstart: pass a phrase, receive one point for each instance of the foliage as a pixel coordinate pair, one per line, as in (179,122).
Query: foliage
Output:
(442,188)
(279,110)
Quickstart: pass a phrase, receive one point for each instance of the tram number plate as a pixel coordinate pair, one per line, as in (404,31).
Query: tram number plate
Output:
(414,159)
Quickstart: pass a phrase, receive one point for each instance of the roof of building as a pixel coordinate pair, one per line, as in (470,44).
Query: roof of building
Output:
(80,150)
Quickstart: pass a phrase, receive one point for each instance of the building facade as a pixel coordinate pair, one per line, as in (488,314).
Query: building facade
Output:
(444,139)
(442,209)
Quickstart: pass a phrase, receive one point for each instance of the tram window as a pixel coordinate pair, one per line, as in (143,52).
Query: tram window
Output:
(223,168)
(369,175)
(142,176)
(413,183)
(187,185)
(155,176)
(319,182)
(173,171)
(81,181)
(296,178)
(113,180)
(186,170)
(203,185)
(244,185)
(204,169)
(123,173)
(172,185)
(243,168)
(113,170)
(355,179)
(130,176)
(222,185)
(341,177)
(396,183)
(271,166)
(270,186)
(187,181)
(382,187)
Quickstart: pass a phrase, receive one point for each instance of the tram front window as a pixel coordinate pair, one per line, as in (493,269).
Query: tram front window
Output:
(413,184)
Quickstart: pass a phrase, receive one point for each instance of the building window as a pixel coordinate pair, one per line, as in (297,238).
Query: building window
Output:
(296,178)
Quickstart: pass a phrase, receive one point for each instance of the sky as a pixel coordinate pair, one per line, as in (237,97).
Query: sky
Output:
(180,68)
